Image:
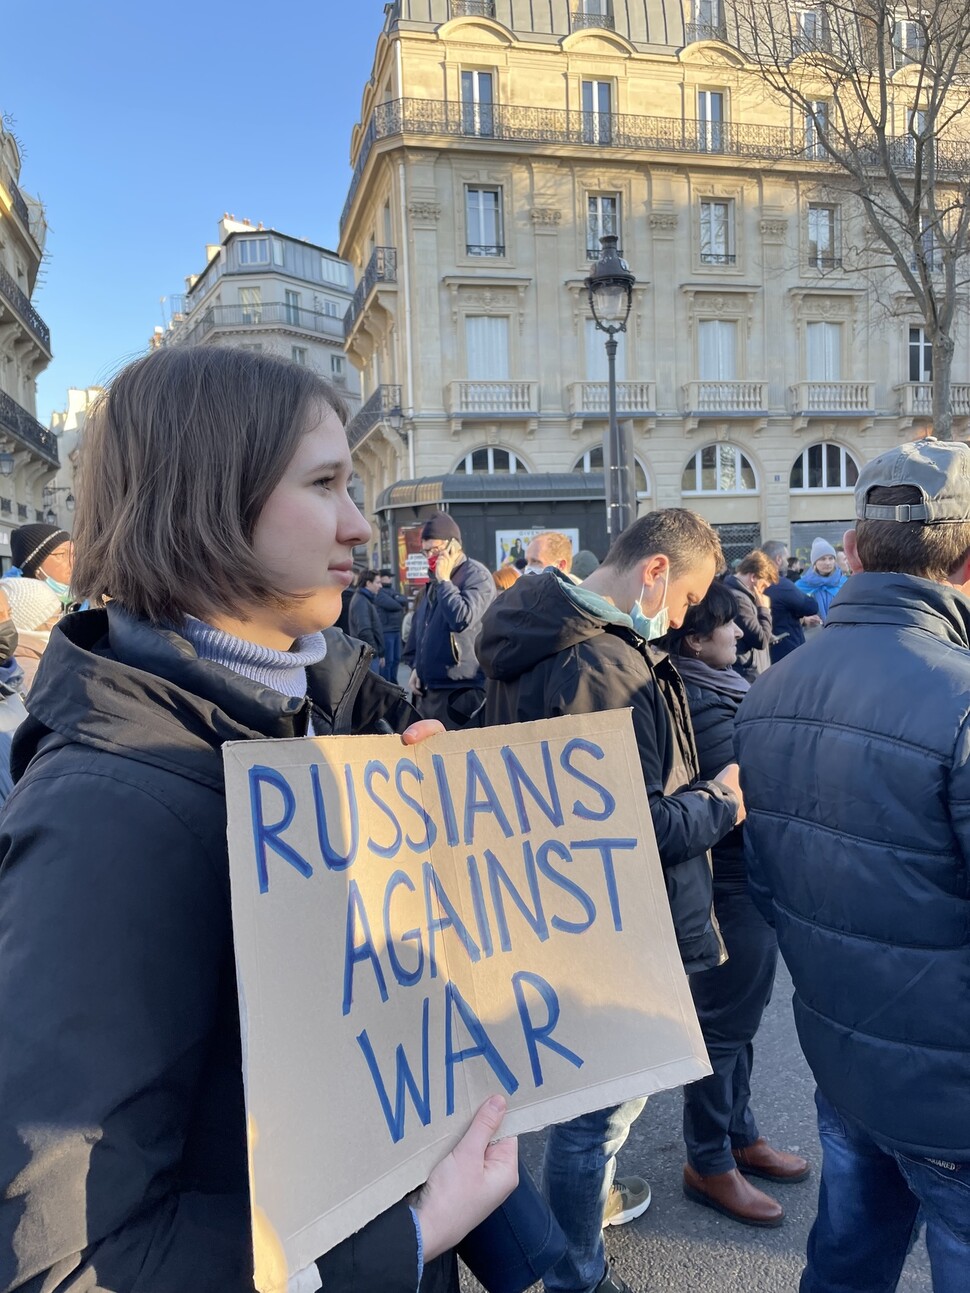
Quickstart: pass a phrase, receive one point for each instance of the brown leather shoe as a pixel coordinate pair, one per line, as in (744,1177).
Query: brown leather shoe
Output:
(760,1159)
(730,1193)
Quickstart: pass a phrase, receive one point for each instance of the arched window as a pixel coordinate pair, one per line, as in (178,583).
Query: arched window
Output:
(592,460)
(719,469)
(824,466)
(491,461)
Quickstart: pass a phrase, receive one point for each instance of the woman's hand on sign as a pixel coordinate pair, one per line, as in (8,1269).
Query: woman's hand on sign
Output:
(470,1183)
(421,730)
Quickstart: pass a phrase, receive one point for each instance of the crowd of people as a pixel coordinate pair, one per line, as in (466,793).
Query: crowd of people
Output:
(808,796)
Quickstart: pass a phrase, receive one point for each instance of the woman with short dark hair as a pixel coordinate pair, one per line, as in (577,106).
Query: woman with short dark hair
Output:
(214,523)
(723,1142)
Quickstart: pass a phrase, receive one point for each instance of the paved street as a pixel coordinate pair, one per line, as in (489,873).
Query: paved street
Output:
(678,1247)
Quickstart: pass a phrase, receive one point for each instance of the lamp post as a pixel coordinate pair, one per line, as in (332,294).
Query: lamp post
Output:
(610,291)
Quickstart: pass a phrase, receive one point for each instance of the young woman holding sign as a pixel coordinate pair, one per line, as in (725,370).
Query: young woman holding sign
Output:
(214,523)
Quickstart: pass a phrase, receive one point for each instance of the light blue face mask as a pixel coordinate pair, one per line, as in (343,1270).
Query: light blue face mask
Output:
(656,625)
(63,590)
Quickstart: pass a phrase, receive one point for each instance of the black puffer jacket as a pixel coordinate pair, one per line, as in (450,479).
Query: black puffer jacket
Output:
(545,654)
(122,1123)
(754,621)
(712,714)
(855,765)
(365,620)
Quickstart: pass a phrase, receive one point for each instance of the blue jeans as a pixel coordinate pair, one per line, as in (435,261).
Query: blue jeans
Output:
(577,1172)
(392,655)
(869,1199)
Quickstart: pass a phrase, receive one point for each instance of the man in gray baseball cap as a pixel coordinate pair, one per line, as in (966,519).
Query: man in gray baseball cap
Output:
(855,767)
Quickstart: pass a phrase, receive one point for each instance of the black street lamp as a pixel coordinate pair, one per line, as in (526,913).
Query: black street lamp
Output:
(610,290)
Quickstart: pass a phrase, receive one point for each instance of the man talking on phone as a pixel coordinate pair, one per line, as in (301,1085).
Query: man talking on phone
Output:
(446,680)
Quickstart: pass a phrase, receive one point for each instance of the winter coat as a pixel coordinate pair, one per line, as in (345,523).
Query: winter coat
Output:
(855,766)
(365,620)
(544,654)
(788,608)
(754,621)
(822,587)
(441,644)
(123,1159)
(391,607)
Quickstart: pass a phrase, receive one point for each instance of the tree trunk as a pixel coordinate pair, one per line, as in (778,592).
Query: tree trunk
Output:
(943,348)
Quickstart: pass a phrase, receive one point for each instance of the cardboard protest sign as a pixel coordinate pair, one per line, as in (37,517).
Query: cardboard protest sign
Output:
(419,927)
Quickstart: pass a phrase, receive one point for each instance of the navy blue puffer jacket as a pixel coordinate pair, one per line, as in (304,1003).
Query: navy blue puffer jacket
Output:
(855,766)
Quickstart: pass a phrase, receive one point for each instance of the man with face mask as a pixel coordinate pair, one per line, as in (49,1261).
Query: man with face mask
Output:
(44,552)
(550,647)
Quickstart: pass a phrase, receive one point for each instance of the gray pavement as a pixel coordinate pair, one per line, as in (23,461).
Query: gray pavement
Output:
(679,1247)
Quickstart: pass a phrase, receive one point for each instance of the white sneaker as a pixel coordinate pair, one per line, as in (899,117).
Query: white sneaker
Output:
(628,1199)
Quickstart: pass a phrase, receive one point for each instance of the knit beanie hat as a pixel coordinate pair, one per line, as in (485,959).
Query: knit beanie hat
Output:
(440,526)
(584,563)
(30,545)
(32,602)
(821,548)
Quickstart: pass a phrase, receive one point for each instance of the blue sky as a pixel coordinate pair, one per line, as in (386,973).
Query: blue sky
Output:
(141,124)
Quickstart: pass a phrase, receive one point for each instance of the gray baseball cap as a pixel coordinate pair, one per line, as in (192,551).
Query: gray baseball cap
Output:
(939,469)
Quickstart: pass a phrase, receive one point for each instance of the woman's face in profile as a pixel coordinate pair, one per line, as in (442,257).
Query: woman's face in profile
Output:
(306,533)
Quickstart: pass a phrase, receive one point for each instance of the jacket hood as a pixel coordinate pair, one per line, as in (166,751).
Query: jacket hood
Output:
(537,618)
(905,601)
(114,682)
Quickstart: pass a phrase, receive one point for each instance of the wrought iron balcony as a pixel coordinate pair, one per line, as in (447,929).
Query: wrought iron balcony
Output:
(825,262)
(916,399)
(268,314)
(725,398)
(384,401)
(592,399)
(579,20)
(472,8)
(484,249)
(16,197)
(20,303)
(533,125)
(18,423)
(706,31)
(493,399)
(817,398)
(718,258)
(381,268)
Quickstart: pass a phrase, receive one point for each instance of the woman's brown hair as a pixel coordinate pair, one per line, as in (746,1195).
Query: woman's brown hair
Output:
(177,461)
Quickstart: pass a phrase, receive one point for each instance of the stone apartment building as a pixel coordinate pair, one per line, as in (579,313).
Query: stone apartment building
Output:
(762,363)
(28,451)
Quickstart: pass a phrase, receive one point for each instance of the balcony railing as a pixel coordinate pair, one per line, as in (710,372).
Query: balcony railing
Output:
(17,422)
(916,399)
(580,20)
(472,8)
(383,402)
(728,397)
(16,197)
(718,258)
(381,268)
(493,399)
(592,399)
(706,31)
(266,314)
(20,302)
(832,397)
(484,249)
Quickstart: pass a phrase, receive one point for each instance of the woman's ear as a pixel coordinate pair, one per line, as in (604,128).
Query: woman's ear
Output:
(693,643)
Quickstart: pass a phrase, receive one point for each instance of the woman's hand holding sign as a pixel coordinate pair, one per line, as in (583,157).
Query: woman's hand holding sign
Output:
(470,1183)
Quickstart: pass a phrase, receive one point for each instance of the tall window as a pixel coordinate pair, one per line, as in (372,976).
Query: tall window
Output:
(823,354)
(717,341)
(816,123)
(253,251)
(251,304)
(487,347)
(812,30)
(298,354)
(593,460)
(920,356)
(291,307)
(331,309)
(597,364)
(719,469)
(708,21)
(597,97)
(602,217)
(717,231)
(928,246)
(909,39)
(338,369)
(824,466)
(483,222)
(477,115)
(823,241)
(710,121)
(491,461)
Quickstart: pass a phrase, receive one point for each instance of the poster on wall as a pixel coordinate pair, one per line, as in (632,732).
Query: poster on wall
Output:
(412,564)
(511,544)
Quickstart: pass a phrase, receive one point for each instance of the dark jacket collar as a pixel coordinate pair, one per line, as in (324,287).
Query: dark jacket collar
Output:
(905,601)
